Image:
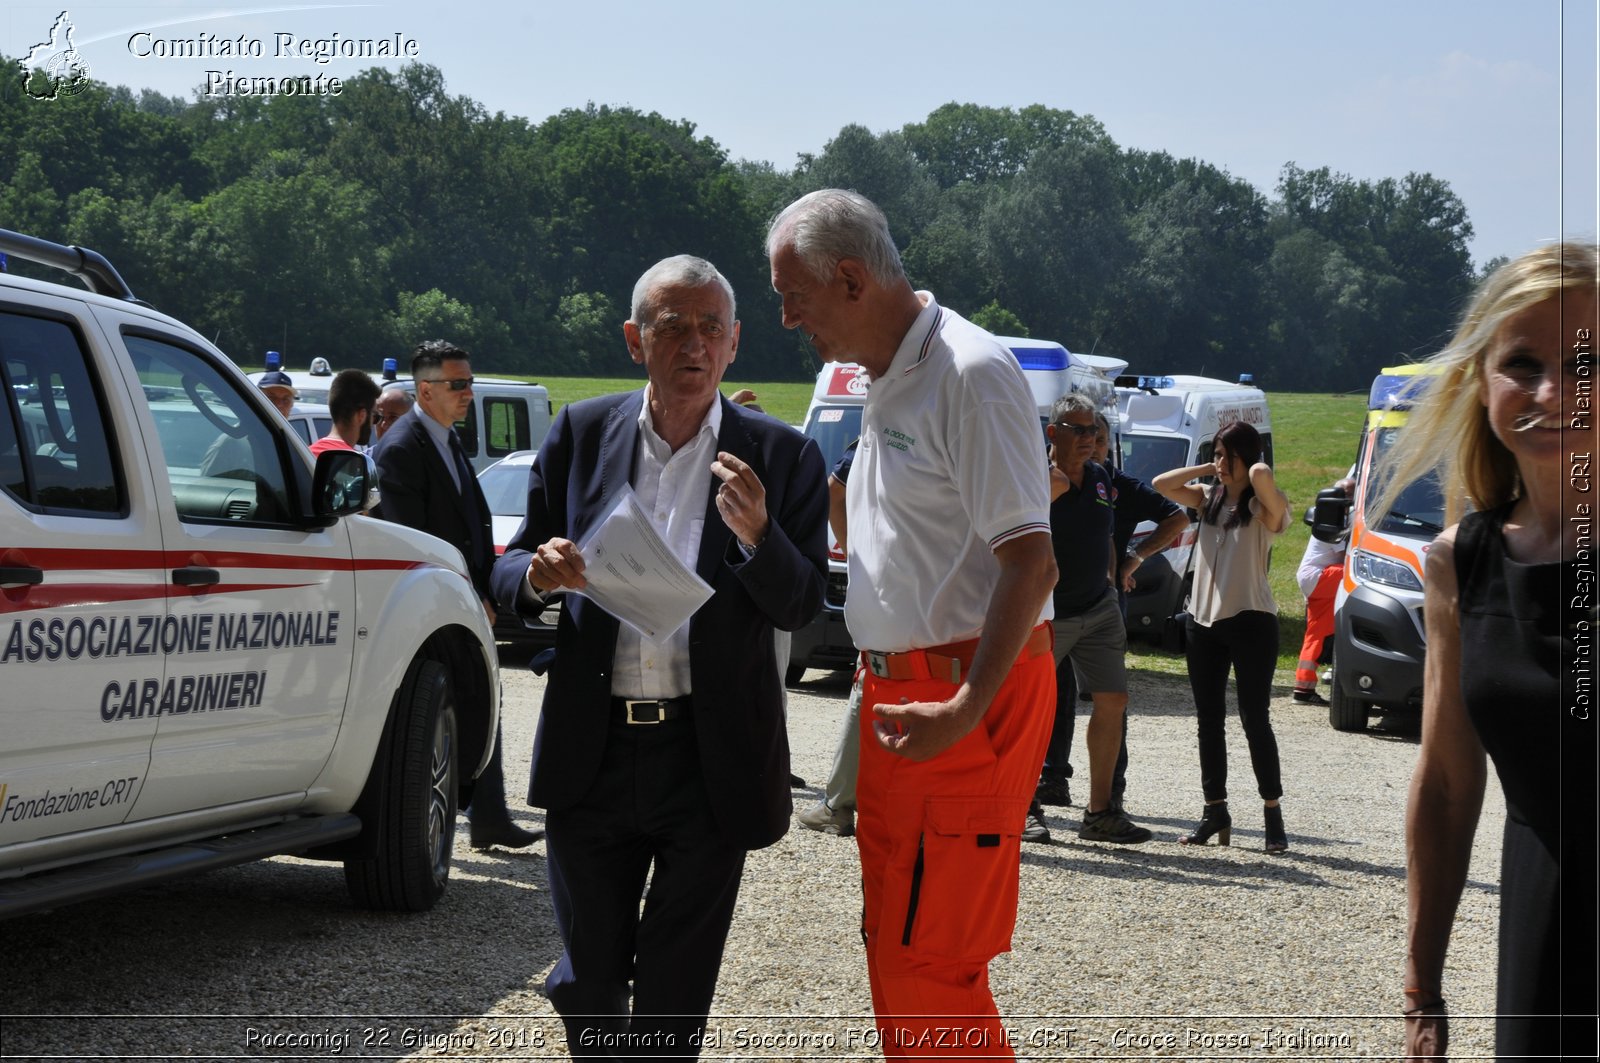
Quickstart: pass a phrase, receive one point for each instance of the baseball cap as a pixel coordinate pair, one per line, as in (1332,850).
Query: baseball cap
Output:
(276,378)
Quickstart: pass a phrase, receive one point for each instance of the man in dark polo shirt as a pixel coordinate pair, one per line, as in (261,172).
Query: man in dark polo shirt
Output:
(1089,632)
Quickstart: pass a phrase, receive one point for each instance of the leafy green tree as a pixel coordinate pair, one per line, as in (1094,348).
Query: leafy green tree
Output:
(292,267)
(1000,321)
(1056,238)
(434,315)
(969,143)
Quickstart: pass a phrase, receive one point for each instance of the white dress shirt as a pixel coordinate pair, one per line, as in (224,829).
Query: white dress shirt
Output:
(673,489)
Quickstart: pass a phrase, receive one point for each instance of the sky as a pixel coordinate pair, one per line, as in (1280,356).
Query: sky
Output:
(1498,98)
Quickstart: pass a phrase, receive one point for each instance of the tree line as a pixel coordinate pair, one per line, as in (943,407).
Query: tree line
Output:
(351,226)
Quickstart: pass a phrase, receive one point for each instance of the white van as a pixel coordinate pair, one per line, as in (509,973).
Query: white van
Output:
(515,415)
(1168,423)
(834,419)
(206,664)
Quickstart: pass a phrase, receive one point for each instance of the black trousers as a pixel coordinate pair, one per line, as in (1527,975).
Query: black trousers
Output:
(647,817)
(1247,644)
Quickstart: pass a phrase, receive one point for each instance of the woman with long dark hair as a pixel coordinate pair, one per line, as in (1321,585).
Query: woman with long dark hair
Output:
(1233,620)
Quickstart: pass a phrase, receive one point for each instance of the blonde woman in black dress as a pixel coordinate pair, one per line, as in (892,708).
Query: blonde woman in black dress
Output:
(1500,425)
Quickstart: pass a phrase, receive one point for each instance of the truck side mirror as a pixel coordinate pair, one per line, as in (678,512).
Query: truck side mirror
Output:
(1330,516)
(339,485)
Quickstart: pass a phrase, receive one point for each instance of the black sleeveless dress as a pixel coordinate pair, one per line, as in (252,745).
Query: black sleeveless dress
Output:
(1520,698)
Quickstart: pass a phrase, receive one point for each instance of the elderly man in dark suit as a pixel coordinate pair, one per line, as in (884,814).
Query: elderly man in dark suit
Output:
(427,483)
(664,761)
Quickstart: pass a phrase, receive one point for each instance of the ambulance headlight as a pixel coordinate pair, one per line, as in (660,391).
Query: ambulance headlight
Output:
(1371,568)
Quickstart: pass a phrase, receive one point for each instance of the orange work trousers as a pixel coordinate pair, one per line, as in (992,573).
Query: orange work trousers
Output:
(1319,625)
(940,846)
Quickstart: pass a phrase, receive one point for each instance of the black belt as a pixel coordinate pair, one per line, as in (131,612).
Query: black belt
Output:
(650,711)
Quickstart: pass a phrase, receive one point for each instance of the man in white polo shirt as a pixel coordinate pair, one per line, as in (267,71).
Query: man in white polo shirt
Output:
(951,568)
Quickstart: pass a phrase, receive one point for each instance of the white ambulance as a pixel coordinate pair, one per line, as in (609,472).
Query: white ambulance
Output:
(1168,423)
(208,657)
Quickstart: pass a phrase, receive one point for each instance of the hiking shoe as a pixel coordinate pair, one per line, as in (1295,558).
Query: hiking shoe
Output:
(1052,792)
(1033,827)
(820,817)
(1111,825)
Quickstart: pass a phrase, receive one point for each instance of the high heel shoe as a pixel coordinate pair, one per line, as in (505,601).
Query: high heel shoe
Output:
(1277,840)
(1213,820)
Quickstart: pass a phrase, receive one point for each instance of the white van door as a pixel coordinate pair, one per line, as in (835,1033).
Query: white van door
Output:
(82,583)
(265,611)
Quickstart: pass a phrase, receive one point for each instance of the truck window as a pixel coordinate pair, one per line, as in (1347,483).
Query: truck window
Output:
(222,456)
(1418,509)
(55,450)
(467,430)
(508,429)
(833,427)
(1146,457)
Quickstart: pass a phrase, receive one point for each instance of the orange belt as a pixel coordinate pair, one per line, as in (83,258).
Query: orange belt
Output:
(953,660)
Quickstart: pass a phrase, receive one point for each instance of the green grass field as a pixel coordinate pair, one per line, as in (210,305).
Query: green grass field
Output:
(1314,441)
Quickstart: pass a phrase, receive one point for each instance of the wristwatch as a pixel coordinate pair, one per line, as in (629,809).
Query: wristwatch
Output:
(1133,552)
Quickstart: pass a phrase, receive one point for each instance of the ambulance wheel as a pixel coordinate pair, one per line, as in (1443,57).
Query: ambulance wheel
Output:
(416,824)
(1344,713)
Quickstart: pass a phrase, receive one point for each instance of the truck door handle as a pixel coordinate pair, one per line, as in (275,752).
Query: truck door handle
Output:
(196,577)
(24,574)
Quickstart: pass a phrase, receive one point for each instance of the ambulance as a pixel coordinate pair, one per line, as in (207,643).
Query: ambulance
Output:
(833,419)
(505,416)
(1379,643)
(1167,423)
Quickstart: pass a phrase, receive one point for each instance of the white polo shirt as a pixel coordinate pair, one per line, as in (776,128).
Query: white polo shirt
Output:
(951,465)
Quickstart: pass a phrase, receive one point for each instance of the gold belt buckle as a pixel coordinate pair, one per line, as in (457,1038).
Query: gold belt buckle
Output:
(629,717)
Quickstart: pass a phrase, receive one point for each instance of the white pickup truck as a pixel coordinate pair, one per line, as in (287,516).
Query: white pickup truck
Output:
(207,656)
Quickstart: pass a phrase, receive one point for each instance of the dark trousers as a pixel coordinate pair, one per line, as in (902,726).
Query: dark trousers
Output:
(1056,754)
(647,816)
(488,805)
(1246,643)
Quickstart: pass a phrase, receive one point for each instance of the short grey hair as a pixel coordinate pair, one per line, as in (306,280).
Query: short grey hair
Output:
(832,224)
(686,271)
(1072,402)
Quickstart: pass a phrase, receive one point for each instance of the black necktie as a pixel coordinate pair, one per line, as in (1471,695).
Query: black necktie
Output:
(482,552)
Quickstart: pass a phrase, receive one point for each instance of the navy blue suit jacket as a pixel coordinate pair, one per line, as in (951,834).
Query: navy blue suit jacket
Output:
(417,490)
(737,687)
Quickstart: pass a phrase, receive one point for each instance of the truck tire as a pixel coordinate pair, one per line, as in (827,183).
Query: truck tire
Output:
(1344,713)
(417,825)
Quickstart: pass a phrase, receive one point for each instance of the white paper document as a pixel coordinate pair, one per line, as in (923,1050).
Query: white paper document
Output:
(634,576)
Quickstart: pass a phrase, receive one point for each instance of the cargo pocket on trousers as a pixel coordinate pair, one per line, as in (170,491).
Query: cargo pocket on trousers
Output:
(963,903)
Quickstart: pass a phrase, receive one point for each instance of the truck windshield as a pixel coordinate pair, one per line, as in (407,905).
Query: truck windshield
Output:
(1419,510)
(834,428)
(1146,457)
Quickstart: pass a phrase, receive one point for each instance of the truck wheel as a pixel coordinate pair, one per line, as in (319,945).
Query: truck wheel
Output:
(1344,713)
(417,825)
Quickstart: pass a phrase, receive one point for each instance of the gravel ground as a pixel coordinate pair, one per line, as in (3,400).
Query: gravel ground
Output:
(1120,952)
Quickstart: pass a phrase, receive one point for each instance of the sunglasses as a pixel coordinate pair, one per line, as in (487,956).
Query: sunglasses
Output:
(459,384)
(378,418)
(1079,430)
